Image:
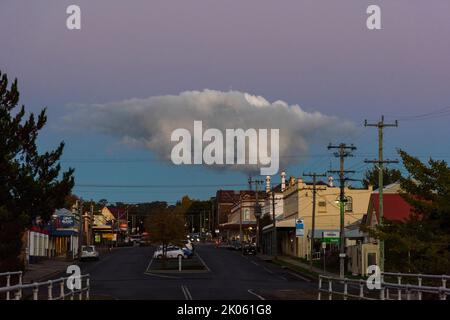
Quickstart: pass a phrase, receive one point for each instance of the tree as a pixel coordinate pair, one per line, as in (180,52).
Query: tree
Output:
(389,176)
(421,244)
(30,183)
(166,227)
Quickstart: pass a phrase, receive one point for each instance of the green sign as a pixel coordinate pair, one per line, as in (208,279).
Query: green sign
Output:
(331,236)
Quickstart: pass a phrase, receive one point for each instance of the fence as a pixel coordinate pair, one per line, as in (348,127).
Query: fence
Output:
(357,288)
(8,275)
(54,289)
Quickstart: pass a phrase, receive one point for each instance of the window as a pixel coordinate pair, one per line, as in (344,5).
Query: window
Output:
(349,204)
(247,214)
(322,206)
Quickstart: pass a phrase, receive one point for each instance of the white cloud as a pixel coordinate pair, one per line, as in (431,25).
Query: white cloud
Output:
(150,122)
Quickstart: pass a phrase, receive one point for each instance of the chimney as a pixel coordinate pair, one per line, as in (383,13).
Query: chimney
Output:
(267,184)
(283,181)
(330,181)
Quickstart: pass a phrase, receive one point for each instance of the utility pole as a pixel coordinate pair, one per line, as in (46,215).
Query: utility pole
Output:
(380,161)
(257,209)
(344,151)
(275,239)
(81,226)
(91,222)
(313,224)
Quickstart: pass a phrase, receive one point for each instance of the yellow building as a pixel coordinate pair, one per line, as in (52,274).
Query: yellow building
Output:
(297,205)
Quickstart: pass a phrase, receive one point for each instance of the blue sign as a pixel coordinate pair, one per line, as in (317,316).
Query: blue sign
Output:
(66,221)
(299,228)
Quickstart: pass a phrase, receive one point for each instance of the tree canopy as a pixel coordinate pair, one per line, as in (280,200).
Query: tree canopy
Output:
(31,183)
(421,244)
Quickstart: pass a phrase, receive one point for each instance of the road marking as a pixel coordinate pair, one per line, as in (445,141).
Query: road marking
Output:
(160,275)
(149,264)
(283,278)
(254,263)
(187,294)
(299,276)
(269,271)
(256,295)
(203,261)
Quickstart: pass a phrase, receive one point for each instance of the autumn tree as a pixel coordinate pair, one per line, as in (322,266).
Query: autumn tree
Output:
(31,183)
(166,227)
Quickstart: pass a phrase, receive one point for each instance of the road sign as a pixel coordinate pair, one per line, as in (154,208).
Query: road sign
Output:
(331,236)
(299,228)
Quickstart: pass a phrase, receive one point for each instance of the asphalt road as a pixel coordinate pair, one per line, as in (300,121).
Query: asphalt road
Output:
(232,276)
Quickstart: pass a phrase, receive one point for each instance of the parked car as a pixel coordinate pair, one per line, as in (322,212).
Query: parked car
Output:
(187,252)
(172,252)
(237,245)
(89,253)
(249,249)
(188,244)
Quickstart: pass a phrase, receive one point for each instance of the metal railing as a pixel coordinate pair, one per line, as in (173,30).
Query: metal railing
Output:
(8,281)
(358,289)
(49,293)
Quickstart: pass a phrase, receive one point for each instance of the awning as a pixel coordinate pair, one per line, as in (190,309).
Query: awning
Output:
(286,223)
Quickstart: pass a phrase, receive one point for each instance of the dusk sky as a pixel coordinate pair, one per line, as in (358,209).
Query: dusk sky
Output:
(317,54)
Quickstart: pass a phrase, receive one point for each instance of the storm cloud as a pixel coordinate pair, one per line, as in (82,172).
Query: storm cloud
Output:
(149,123)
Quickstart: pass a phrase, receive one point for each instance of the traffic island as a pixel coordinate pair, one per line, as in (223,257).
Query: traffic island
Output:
(172,266)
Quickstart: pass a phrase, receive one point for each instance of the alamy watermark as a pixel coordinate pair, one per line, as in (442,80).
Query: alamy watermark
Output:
(233,150)
(73,282)
(73,21)
(374,279)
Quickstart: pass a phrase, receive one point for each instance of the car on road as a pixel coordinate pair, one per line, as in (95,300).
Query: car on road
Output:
(172,252)
(249,249)
(89,253)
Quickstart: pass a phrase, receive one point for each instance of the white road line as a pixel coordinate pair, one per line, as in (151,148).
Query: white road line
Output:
(203,261)
(254,263)
(299,276)
(269,271)
(256,295)
(149,264)
(187,294)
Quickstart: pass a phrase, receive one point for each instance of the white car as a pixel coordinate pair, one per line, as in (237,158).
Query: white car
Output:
(172,252)
(89,252)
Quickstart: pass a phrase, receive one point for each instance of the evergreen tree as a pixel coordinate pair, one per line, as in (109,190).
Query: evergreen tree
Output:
(421,244)
(389,176)
(30,182)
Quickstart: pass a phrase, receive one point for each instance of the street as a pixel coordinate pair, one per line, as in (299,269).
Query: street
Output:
(232,276)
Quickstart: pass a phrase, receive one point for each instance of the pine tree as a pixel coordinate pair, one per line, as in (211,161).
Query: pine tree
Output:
(30,183)
(421,244)
(389,176)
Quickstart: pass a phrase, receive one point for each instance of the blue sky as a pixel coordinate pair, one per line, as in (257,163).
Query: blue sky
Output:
(317,54)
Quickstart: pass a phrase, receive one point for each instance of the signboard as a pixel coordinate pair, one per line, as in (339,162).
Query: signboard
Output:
(66,221)
(123,226)
(331,236)
(98,238)
(299,228)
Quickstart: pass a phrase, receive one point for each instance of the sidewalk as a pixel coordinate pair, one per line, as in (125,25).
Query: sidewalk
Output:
(296,265)
(45,270)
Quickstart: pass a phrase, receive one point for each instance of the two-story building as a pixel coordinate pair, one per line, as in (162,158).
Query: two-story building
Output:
(241,223)
(298,197)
